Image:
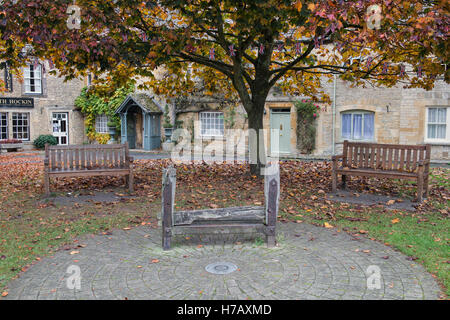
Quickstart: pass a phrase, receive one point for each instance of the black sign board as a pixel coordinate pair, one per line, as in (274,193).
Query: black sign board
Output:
(17,102)
(8,77)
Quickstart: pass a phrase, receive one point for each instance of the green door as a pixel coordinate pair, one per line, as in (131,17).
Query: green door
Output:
(280,119)
(131,130)
(155,131)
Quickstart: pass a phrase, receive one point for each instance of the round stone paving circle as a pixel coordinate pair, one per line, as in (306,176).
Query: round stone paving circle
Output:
(309,263)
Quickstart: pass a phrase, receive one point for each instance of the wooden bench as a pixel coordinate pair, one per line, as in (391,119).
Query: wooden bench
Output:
(87,160)
(259,218)
(411,162)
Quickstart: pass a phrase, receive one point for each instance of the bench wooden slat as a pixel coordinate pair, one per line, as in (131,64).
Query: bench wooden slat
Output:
(59,156)
(90,173)
(93,158)
(378,159)
(77,159)
(246,213)
(408,160)
(70,159)
(414,164)
(122,158)
(377,173)
(372,157)
(88,146)
(52,160)
(101,155)
(66,158)
(83,159)
(421,155)
(345,153)
(401,166)
(396,162)
(390,155)
(361,156)
(350,157)
(108,158)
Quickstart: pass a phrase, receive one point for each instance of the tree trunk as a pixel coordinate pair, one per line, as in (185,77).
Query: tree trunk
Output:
(257,154)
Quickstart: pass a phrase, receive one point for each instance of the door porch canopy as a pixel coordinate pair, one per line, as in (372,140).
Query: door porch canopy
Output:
(151,112)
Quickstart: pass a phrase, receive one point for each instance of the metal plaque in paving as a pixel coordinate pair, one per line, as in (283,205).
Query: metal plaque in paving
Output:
(221,267)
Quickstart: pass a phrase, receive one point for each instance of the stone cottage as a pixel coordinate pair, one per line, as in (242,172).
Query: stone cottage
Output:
(38,104)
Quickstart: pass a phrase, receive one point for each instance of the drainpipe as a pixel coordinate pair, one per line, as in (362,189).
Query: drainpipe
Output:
(334,116)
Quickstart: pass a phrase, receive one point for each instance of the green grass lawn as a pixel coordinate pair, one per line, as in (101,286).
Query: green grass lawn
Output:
(31,228)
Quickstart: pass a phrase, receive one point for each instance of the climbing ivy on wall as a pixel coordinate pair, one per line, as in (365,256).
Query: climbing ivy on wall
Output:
(229,119)
(93,104)
(307,113)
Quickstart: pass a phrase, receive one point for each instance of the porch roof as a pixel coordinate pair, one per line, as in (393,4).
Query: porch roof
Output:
(142,100)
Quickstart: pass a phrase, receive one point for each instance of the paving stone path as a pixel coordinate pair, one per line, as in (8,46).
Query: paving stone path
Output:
(310,263)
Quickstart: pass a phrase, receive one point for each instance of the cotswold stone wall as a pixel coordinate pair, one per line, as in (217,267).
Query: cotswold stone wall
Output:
(57,96)
(399,116)
(190,121)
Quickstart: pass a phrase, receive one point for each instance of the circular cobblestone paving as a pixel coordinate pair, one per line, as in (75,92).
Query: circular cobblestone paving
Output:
(309,263)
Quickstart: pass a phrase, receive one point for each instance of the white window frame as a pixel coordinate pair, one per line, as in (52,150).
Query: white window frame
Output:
(37,79)
(15,130)
(101,123)
(5,114)
(363,113)
(214,131)
(447,124)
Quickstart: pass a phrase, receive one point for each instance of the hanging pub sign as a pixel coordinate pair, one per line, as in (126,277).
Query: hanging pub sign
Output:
(8,78)
(17,102)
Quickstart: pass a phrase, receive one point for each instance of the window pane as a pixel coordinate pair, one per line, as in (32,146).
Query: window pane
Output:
(211,124)
(437,123)
(431,131)
(347,126)
(441,115)
(101,123)
(440,131)
(38,72)
(432,114)
(357,126)
(32,79)
(368,126)
(26,73)
(20,128)
(3,125)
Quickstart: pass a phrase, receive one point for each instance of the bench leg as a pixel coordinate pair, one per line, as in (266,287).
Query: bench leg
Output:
(271,241)
(131,182)
(344,181)
(419,189)
(426,187)
(47,184)
(334,182)
(166,239)
(271,238)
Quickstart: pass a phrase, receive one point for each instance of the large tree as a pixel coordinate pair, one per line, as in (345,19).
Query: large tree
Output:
(238,48)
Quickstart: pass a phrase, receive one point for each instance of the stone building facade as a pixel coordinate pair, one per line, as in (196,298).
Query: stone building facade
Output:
(39,104)
(399,116)
(380,115)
